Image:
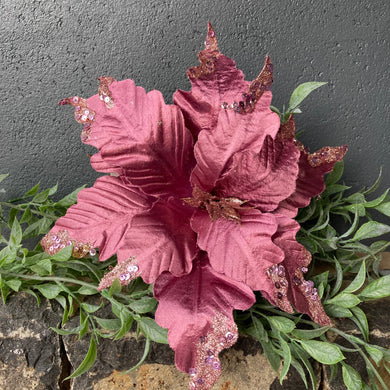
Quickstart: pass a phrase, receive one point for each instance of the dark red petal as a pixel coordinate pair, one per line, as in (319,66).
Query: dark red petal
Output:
(297,258)
(162,240)
(216,85)
(242,251)
(312,168)
(140,138)
(197,310)
(233,133)
(264,179)
(102,217)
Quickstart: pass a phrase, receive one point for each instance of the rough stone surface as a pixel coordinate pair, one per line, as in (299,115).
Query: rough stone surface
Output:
(31,357)
(55,49)
(29,350)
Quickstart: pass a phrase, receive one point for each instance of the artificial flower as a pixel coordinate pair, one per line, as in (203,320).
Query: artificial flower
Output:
(200,202)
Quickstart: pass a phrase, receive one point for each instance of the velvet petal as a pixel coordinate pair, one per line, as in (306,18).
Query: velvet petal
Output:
(101,218)
(233,133)
(139,137)
(297,258)
(242,251)
(312,168)
(197,310)
(162,240)
(264,179)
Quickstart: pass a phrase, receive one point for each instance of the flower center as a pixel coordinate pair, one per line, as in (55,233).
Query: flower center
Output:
(216,206)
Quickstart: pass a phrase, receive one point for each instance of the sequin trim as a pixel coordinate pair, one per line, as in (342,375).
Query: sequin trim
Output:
(277,274)
(104,92)
(217,207)
(287,130)
(307,289)
(54,242)
(327,155)
(255,90)
(207,57)
(223,334)
(125,272)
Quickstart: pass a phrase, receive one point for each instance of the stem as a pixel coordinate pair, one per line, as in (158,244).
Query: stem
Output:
(368,362)
(49,278)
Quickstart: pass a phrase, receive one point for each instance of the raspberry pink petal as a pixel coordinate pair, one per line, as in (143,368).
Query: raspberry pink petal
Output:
(242,251)
(301,292)
(214,81)
(197,310)
(264,179)
(142,138)
(162,240)
(103,214)
(233,133)
(312,168)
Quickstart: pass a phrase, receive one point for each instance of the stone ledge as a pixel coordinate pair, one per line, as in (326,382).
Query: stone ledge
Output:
(32,357)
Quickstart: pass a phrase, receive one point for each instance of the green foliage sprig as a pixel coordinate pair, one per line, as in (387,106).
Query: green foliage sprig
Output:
(352,277)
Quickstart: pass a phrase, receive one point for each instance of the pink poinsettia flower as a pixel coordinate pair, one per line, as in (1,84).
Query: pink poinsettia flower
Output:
(201,203)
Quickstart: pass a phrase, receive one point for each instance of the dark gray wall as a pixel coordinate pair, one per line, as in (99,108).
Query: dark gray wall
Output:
(51,50)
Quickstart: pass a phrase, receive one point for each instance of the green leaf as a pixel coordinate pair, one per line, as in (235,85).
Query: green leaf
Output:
(286,354)
(337,311)
(61,300)
(152,331)
(42,268)
(38,227)
(3,176)
(358,281)
(384,208)
(16,234)
(344,300)
(371,229)
(64,254)
(335,188)
(339,277)
(379,288)
(27,217)
(301,92)
(4,289)
(351,378)
(108,323)
(126,322)
(310,333)
(143,305)
(86,290)
(14,284)
(375,186)
(260,333)
(88,361)
(325,353)
(271,354)
(375,354)
(42,196)
(32,191)
(115,288)
(283,324)
(303,356)
(334,176)
(376,202)
(49,291)
(360,320)
(83,325)
(300,370)
(90,308)
(69,199)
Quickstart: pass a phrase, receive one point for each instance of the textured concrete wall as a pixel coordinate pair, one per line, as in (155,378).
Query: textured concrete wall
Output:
(55,49)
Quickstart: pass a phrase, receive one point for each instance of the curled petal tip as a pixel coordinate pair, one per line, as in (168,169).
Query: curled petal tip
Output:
(211,39)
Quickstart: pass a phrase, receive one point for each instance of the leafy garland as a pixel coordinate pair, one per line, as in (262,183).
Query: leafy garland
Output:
(290,338)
